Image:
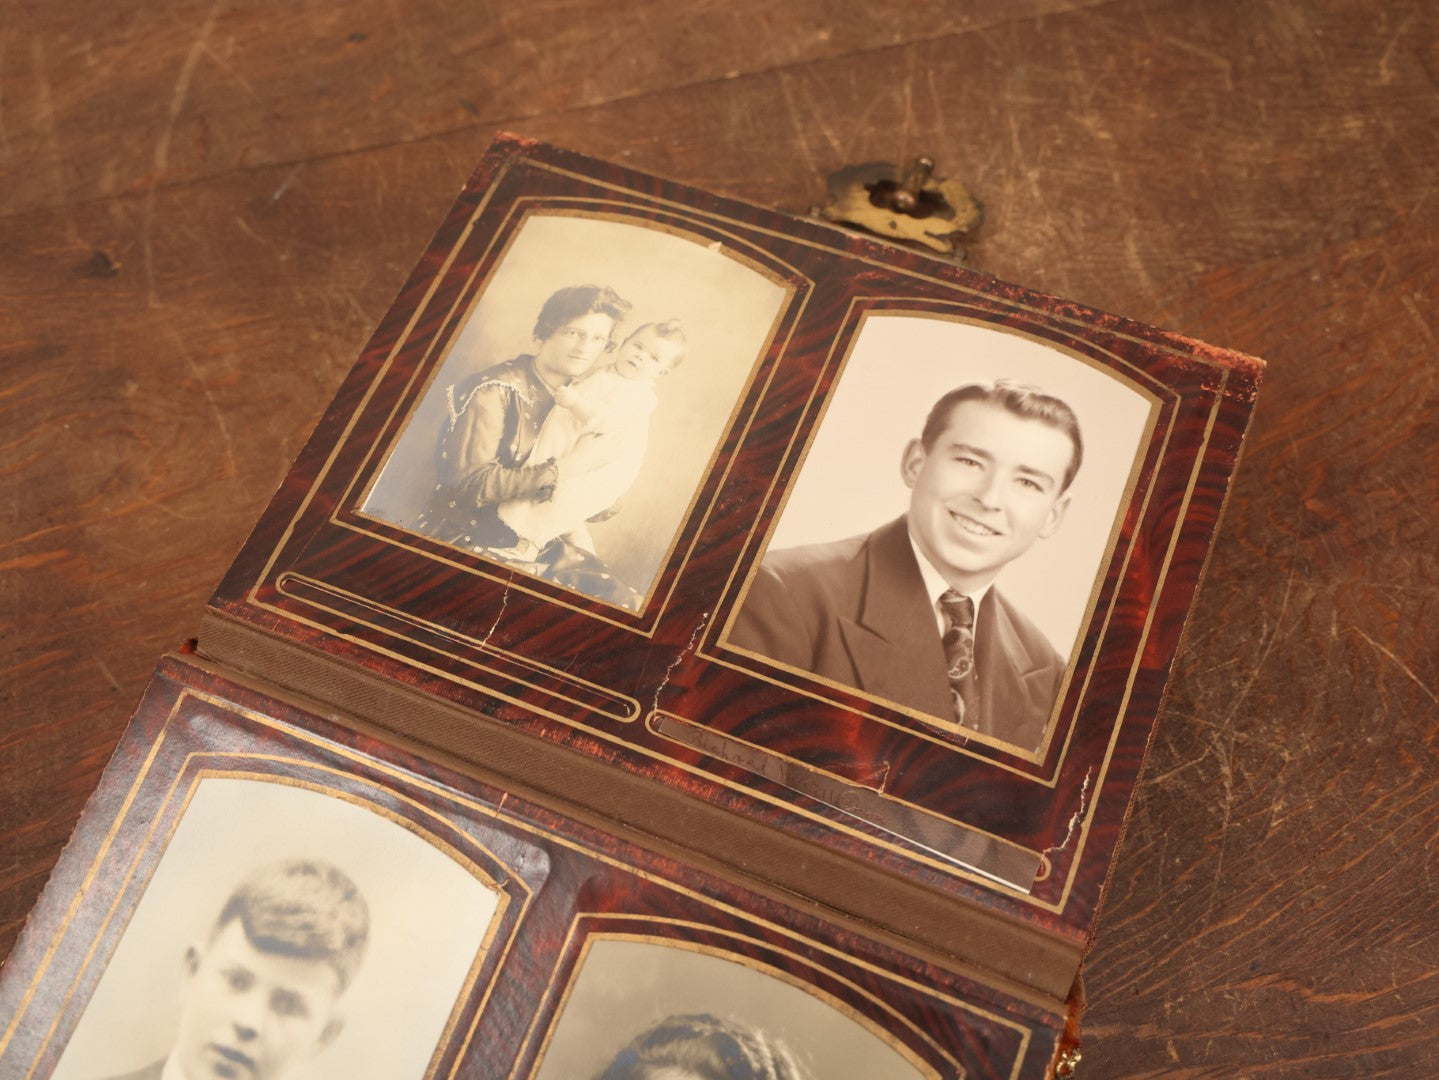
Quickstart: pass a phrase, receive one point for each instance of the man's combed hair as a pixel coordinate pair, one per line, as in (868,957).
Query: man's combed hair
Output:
(707,1046)
(303,908)
(575,301)
(1021,399)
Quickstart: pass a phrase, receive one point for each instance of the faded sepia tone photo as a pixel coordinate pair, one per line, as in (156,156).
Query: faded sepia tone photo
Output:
(282,936)
(571,423)
(638,1010)
(944,535)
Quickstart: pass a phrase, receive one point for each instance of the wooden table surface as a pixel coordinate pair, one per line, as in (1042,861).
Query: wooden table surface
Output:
(207,205)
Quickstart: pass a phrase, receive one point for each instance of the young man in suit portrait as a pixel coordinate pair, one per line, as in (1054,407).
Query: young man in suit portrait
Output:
(910,613)
(262,994)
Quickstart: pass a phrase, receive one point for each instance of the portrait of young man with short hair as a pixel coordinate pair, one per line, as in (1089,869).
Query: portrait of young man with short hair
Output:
(262,994)
(912,612)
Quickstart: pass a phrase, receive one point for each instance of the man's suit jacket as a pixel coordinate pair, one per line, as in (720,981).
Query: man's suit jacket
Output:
(856,612)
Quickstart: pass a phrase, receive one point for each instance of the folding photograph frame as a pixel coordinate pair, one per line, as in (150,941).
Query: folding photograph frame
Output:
(599,668)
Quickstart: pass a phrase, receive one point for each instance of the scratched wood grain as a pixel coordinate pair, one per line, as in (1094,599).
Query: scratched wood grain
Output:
(103,102)
(206,210)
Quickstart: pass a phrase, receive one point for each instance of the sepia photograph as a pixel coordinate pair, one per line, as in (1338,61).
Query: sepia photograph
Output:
(641,1010)
(283,932)
(943,539)
(573,419)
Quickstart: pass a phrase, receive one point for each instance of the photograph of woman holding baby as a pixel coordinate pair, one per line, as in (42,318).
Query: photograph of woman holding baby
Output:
(513,429)
(565,435)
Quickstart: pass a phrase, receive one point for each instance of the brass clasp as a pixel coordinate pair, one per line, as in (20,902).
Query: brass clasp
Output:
(913,206)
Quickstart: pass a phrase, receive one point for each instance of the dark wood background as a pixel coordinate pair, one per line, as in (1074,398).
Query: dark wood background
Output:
(206,206)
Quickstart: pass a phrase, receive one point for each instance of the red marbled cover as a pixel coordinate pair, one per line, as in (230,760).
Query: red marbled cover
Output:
(657,693)
(571,910)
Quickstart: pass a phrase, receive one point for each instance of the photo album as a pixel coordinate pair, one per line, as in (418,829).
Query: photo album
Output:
(695,642)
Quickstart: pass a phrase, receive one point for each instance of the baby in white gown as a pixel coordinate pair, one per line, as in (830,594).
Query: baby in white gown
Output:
(596,434)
